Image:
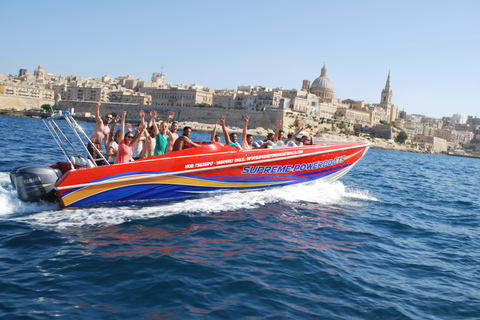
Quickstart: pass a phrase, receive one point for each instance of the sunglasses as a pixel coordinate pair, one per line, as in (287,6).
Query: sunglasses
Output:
(108,117)
(164,126)
(129,137)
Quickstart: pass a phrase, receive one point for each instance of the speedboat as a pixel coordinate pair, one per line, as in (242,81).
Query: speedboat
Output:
(209,169)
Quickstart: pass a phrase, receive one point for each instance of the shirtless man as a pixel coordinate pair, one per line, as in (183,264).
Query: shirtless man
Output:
(304,140)
(100,131)
(149,147)
(173,132)
(183,140)
(174,128)
(247,139)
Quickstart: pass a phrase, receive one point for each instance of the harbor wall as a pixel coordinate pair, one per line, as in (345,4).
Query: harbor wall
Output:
(266,119)
(8,102)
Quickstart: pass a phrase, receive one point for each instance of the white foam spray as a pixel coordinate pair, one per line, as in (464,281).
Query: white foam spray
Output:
(49,215)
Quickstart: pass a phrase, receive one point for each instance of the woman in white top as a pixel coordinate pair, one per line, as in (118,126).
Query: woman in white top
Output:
(113,148)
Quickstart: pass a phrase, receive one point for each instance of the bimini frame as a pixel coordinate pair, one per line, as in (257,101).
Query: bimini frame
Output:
(63,142)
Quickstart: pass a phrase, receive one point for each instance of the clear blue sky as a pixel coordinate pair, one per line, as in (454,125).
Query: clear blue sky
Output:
(431,48)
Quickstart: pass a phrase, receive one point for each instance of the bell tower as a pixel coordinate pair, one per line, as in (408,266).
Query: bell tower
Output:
(387,94)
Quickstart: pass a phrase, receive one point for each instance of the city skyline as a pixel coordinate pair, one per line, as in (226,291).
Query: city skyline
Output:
(430,48)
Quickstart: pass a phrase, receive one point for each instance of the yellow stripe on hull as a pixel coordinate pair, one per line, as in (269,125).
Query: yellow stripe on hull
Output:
(172,180)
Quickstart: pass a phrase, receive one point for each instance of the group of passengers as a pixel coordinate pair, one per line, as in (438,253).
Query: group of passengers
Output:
(152,138)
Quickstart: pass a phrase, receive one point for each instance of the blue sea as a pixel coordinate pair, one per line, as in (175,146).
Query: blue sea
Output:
(396,238)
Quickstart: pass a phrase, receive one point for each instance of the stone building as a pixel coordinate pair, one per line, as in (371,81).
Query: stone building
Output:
(129,96)
(181,95)
(391,110)
(434,144)
(224,99)
(322,87)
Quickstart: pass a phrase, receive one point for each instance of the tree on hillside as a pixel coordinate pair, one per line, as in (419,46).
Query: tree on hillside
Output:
(46,107)
(401,137)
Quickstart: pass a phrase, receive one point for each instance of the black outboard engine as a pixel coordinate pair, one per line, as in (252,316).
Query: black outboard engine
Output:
(35,182)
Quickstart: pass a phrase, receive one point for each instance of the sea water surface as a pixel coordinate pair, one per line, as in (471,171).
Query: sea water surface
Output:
(396,238)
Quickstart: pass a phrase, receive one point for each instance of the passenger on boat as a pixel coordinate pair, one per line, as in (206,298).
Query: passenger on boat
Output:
(112,130)
(183,141)
(291,138)
(113,148)
(162,137)
(100,131)
(231,138)
(247,139)
(124,153)
(149,145)
(215,137)
(270,137)
(173,127)
(138,148)
(278,132)
(304,140)
(173,130)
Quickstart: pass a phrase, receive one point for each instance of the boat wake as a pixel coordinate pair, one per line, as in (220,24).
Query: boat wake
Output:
(50,216)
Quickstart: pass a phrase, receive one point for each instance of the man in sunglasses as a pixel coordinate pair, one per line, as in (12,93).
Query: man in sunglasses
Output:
(100,131)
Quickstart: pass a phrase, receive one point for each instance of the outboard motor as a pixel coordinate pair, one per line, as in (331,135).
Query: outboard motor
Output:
(35,182)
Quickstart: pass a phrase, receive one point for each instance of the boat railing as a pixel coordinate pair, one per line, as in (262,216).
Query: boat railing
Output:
(65,145)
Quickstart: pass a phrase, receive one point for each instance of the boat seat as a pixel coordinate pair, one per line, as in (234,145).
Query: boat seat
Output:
(82,162)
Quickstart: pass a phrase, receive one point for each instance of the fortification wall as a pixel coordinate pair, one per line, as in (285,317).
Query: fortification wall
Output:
(8,101)
(265,119)
(292,121)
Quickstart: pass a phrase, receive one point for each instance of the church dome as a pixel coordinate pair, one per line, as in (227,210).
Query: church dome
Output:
(322,82)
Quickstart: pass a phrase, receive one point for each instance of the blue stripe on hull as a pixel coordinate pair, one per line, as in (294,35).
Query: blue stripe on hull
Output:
(168,192)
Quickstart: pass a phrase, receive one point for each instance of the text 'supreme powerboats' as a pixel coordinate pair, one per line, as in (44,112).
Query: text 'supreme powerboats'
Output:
(211,168)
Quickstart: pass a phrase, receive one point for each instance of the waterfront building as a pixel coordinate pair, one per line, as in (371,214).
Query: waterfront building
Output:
(351,115)
(433,144)
(224,99)
(27,91)
(82,93)
(181,95)
(129,96)
(302,101)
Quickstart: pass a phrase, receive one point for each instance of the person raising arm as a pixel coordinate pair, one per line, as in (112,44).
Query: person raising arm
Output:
(304,140)
(112,130)
(124,153)
(215,137)
(230,139)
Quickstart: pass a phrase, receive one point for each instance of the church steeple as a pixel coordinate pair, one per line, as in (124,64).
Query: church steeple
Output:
(387,85)
(386,98)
